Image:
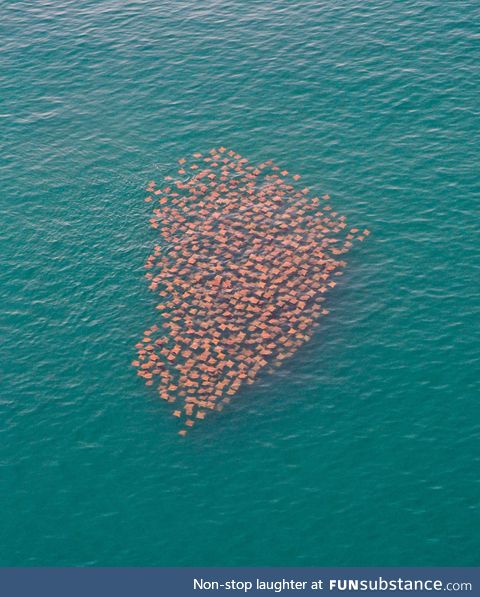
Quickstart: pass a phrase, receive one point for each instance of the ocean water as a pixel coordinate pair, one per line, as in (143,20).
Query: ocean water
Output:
(363,449)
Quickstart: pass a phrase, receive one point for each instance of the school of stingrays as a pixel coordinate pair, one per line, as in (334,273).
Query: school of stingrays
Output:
(244,261)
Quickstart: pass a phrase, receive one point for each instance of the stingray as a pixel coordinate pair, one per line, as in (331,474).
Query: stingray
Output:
(243,261)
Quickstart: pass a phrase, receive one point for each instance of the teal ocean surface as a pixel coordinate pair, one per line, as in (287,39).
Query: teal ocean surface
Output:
(363,448)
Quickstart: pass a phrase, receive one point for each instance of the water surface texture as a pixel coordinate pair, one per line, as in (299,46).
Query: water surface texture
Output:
(363,448)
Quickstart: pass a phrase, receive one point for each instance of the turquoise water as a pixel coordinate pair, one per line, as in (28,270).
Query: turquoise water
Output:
(363,448)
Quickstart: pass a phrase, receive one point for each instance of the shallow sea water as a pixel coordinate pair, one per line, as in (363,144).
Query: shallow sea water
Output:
(363,449)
